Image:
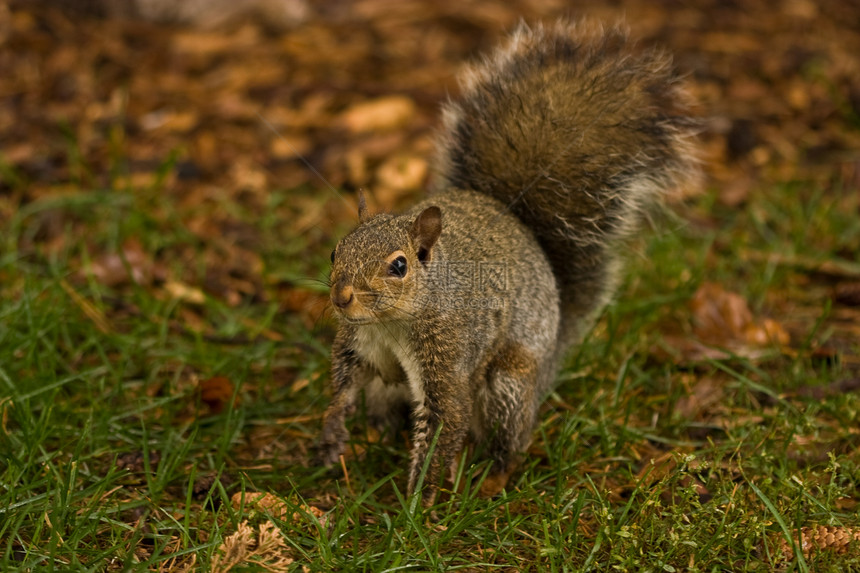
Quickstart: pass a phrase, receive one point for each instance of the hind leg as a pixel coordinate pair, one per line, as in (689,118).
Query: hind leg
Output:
(508,403)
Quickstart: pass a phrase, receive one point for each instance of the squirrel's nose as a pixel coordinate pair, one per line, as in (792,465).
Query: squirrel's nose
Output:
(341,296)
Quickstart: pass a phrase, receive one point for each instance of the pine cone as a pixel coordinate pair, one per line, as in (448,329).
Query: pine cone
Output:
(820,538)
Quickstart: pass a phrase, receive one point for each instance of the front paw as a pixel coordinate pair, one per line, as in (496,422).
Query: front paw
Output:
(327,455)
(330,447)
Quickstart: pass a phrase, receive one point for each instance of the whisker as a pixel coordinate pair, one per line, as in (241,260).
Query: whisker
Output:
(312,281)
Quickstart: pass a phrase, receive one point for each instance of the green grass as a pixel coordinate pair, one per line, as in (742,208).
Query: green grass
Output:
(110,459)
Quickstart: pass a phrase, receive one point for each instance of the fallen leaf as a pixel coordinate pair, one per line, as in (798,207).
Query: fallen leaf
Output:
(706,392)
(736,191)
(380,114)
(766,333)
(719,316)
(274,506)
(290,146)
(723,318)
(397,176)
(184,292)
(248,175)
(845,503)
(216,392)
(130,264)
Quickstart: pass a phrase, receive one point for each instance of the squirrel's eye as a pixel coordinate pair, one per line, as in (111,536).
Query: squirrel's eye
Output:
(397,268)
(332,257)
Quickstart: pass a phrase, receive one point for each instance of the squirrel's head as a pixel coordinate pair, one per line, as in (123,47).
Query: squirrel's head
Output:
(378,268)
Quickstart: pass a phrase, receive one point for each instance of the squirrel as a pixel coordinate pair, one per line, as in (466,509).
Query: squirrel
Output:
(459,310)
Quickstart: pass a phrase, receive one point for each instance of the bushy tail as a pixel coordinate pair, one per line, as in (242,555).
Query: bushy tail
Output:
(577,133)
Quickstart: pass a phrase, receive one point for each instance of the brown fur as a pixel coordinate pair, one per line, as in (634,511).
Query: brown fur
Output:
(461,308)
(585,133)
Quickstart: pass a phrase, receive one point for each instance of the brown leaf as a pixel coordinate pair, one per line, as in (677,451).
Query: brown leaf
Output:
(655,469)
(203,44)
(290,146)
(177,122)
(129,265)
(248,175)
(184,292)
(736,191)
(271,504)
(845,503)
(723,319)
(705,393)
(397,176)
(380,114)
(766,333)
(719,316)
(216,392)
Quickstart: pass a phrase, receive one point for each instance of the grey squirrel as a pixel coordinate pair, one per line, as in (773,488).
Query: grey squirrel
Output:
(459,310)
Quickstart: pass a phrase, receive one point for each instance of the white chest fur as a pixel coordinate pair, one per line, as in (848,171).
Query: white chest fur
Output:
(385,346)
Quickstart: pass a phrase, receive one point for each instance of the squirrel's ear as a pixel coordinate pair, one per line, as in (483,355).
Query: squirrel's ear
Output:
(362,207)
(426,230)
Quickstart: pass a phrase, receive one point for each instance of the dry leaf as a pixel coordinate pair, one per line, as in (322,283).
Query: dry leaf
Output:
(766,333)
(845,504)
(216,392)
(723,319)
(129,265)
(197,43)
(402,172)
(397,176)
(706,392)
(720,317)
(381,114)
(184,292)
(290,146)
(176,122)
(274,506)
(248,175)
(736,191)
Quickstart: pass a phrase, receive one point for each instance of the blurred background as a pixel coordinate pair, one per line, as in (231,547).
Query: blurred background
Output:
(216,106)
